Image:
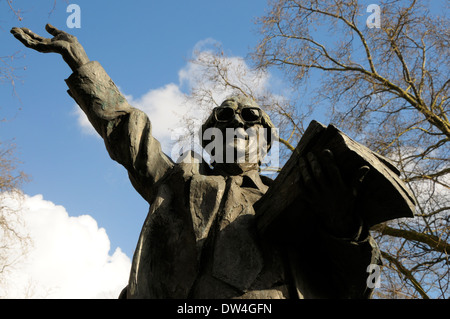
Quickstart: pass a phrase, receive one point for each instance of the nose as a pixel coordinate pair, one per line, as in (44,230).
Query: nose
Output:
(236,121)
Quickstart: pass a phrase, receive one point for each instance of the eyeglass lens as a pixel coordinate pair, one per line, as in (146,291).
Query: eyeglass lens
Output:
(248,114)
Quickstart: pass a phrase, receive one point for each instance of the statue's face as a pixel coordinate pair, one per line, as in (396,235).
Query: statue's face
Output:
(240,122)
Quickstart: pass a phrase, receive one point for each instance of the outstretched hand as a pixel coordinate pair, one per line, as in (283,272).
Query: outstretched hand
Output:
(328,194)
(63,43)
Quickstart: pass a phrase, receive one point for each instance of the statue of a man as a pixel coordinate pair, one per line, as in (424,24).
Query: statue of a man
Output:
(199,239)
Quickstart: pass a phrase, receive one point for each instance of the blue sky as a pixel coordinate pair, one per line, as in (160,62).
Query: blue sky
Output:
(143,45)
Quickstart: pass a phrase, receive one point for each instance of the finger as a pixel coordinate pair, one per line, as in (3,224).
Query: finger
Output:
(29,42)
(359,178)
(302,187)
(331,168)
(14,30)
(308,181)
(316,170)
(305,192)
(22,37)
(52,30)
(362,172)
(32,34)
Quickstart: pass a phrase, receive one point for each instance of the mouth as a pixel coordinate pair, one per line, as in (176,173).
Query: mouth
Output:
(242,150)
(237,145)
(237,142)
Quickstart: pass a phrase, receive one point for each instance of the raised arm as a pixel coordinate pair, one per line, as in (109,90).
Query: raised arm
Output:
(125,130)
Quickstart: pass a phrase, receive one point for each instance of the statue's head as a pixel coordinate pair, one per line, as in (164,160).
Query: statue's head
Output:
(243,126)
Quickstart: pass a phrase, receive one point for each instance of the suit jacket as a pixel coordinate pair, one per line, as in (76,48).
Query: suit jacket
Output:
(199,239)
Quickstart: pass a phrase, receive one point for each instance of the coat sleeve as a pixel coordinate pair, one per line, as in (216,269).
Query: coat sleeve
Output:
(125,130)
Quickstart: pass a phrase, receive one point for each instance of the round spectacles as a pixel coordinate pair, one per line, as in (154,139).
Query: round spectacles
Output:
(249,114)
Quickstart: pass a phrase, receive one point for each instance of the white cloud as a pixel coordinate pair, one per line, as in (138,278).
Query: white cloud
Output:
(165,106)
(69,256)
(83,121)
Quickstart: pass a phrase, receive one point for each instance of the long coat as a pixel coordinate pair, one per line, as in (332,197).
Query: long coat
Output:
(199,239)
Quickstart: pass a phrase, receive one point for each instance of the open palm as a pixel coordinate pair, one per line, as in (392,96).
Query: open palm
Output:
(62,42)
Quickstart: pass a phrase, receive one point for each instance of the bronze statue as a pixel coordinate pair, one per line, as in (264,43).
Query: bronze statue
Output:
(200,238)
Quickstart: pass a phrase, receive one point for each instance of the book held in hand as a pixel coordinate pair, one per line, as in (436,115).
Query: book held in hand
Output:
(383,195)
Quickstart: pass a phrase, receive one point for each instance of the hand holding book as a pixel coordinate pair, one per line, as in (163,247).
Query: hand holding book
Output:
(329,197)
